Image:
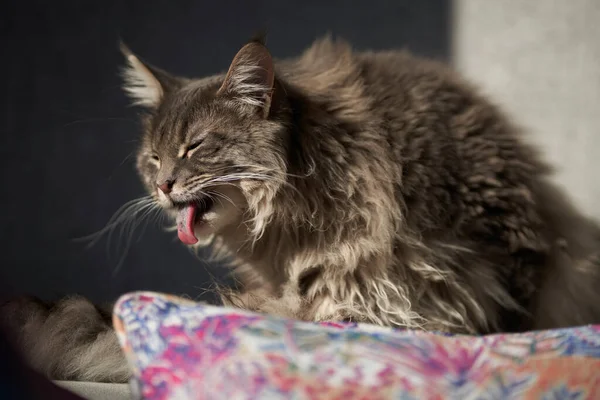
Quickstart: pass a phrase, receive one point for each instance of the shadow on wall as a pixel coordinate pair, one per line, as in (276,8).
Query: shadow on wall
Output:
(69,138)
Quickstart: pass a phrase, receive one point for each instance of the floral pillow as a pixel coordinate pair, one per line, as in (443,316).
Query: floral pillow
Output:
(184,350)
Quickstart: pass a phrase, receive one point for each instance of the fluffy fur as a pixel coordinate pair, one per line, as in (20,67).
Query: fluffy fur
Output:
(366,186)
(68,340)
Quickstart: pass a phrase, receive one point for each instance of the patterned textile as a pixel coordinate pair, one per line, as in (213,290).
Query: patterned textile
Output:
(183,350)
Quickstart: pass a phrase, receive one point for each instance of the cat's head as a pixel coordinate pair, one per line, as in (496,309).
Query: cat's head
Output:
(213,149)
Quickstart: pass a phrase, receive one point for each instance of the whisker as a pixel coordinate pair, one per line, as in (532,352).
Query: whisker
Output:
(250,176)
(130,235)
(130,223)
(253,169)
(221,195)
(139,212)
(261,168)
(124,212)
(127,228)
(125,222)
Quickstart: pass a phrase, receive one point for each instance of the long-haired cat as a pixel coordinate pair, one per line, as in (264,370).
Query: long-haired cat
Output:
(365,186)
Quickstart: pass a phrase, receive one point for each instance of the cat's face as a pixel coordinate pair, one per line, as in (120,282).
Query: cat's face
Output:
(210,152)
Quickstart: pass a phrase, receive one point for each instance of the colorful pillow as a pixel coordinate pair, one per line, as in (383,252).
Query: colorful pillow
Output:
(183,350)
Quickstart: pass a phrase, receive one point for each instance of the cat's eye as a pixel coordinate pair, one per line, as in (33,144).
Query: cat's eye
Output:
(192,147)
(154,157)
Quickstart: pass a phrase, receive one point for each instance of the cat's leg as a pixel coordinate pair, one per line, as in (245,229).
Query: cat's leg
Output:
(258,295)
(289,303)
(70,340)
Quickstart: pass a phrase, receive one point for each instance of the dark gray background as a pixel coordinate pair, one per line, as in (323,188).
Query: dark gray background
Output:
(68,133)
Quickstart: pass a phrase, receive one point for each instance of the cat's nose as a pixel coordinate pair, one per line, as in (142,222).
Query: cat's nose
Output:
(165,186)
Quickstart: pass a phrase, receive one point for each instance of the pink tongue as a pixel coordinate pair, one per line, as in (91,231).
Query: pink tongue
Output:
(185,224)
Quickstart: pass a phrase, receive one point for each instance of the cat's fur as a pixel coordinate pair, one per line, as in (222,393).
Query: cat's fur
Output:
(367,186)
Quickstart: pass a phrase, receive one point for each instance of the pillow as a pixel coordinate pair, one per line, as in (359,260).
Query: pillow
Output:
(179,349)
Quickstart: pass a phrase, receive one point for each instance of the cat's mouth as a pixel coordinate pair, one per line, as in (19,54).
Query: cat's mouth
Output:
(189,215)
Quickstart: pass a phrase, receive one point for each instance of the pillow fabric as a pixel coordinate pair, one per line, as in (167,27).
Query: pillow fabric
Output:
(179,349)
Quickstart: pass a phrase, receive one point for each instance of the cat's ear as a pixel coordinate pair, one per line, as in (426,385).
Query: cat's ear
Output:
(144,84)
(251,77)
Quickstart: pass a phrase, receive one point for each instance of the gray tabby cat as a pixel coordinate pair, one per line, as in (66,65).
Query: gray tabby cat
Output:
(364,186)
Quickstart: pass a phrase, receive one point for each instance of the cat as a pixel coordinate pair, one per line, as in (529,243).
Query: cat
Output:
(374,187)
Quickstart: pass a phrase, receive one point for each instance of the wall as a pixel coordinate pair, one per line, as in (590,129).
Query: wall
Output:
(541,60)
(68,134)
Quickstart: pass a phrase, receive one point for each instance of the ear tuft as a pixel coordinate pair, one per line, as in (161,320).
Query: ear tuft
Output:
(260,37)
(251,77)
(141,84)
